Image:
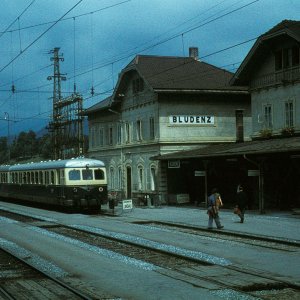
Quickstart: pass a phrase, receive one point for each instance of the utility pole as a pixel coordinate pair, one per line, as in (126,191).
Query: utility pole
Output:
(54,126)
(67,122)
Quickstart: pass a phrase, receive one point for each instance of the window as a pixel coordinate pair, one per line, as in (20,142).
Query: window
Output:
(36,177)
(139,130)
(52,177)
(41,177)
(112,178)
(286,58)
(137,85)
(127,132)
(110,136)
(278,60)
(119,134)
(99,174)
(151,125)
(31,177)
(120,178)
(289,114)
(87,174)
(99,136)
(140,178)
(152,174)
(93,138)
(47,177)
(268,116)
(239,119)
(74,175)
(62,177)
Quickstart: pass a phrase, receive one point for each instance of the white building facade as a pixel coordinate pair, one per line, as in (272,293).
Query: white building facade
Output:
(163,105)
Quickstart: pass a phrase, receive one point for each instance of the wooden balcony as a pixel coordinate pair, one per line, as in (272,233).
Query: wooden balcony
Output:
(282,77)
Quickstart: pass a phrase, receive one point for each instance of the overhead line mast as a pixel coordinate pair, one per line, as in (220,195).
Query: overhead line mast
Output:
(67,123)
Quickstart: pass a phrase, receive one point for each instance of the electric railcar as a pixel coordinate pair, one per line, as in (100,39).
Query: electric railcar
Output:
(78,184)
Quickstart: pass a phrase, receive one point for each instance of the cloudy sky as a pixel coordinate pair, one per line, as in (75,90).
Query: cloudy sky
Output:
(98,38)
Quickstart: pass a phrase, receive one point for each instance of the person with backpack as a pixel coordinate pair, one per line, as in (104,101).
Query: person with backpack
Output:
(213,209)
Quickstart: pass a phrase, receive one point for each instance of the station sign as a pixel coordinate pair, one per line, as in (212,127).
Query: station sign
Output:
(192,120)
(127,204)
(200,173)
(173,164)
(252,173)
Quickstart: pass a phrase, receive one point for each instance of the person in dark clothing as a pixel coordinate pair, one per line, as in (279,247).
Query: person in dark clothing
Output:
(213,209)
(241,202)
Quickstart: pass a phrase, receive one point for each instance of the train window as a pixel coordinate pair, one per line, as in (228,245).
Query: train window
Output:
(74,175)
(47,177)
(52,177)
(31,177)
(24,177)
(87,174)
(99,174)
(41,177)
(62,176)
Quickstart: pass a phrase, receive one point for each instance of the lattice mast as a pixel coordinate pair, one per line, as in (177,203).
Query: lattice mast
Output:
(67,123)
(54,126)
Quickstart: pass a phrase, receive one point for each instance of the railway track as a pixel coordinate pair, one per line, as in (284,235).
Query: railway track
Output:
(20,280)
(198,269)
(253,240)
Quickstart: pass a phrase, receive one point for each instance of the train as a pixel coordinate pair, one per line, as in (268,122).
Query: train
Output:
(78,184)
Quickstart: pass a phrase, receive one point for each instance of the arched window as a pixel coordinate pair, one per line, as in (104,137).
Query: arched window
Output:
(152,178)
(120,178)
(112,177)
(140,178)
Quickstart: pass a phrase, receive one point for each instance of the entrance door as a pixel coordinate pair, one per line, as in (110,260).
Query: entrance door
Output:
(128,183)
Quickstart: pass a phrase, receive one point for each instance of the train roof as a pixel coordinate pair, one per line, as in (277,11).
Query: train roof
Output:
(56,164)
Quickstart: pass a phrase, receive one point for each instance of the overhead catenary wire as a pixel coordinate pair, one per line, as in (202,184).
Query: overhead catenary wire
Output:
(111,63)
(42,34)
(134,52)
(17,19)
(151,46)
(65,19)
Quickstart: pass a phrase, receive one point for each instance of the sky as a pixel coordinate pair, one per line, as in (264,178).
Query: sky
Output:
(98,38)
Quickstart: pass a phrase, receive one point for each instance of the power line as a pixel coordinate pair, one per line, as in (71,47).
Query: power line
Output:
(3,68)
(65,19)
(125,56)
(17,19)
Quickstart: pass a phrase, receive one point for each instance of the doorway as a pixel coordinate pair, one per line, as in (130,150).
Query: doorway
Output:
(128,182)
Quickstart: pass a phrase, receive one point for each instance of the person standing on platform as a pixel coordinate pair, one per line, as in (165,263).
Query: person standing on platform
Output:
(241,202)
(213,210)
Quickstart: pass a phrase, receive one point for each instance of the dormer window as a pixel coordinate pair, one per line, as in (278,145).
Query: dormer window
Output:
(286,58)
(137,85)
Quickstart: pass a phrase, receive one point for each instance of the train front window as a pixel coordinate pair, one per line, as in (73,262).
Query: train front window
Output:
(99,174)
(74,175)
(87,174)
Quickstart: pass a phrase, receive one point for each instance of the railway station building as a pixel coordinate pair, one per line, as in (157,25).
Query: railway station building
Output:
(268,166)
(163,105)
(175,126)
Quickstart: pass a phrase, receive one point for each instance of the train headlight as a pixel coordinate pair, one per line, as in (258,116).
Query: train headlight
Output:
(100,189)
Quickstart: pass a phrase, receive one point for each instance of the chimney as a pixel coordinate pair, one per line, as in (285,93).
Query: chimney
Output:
(194,53)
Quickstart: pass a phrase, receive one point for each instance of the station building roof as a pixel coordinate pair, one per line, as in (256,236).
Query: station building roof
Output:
(257,147)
